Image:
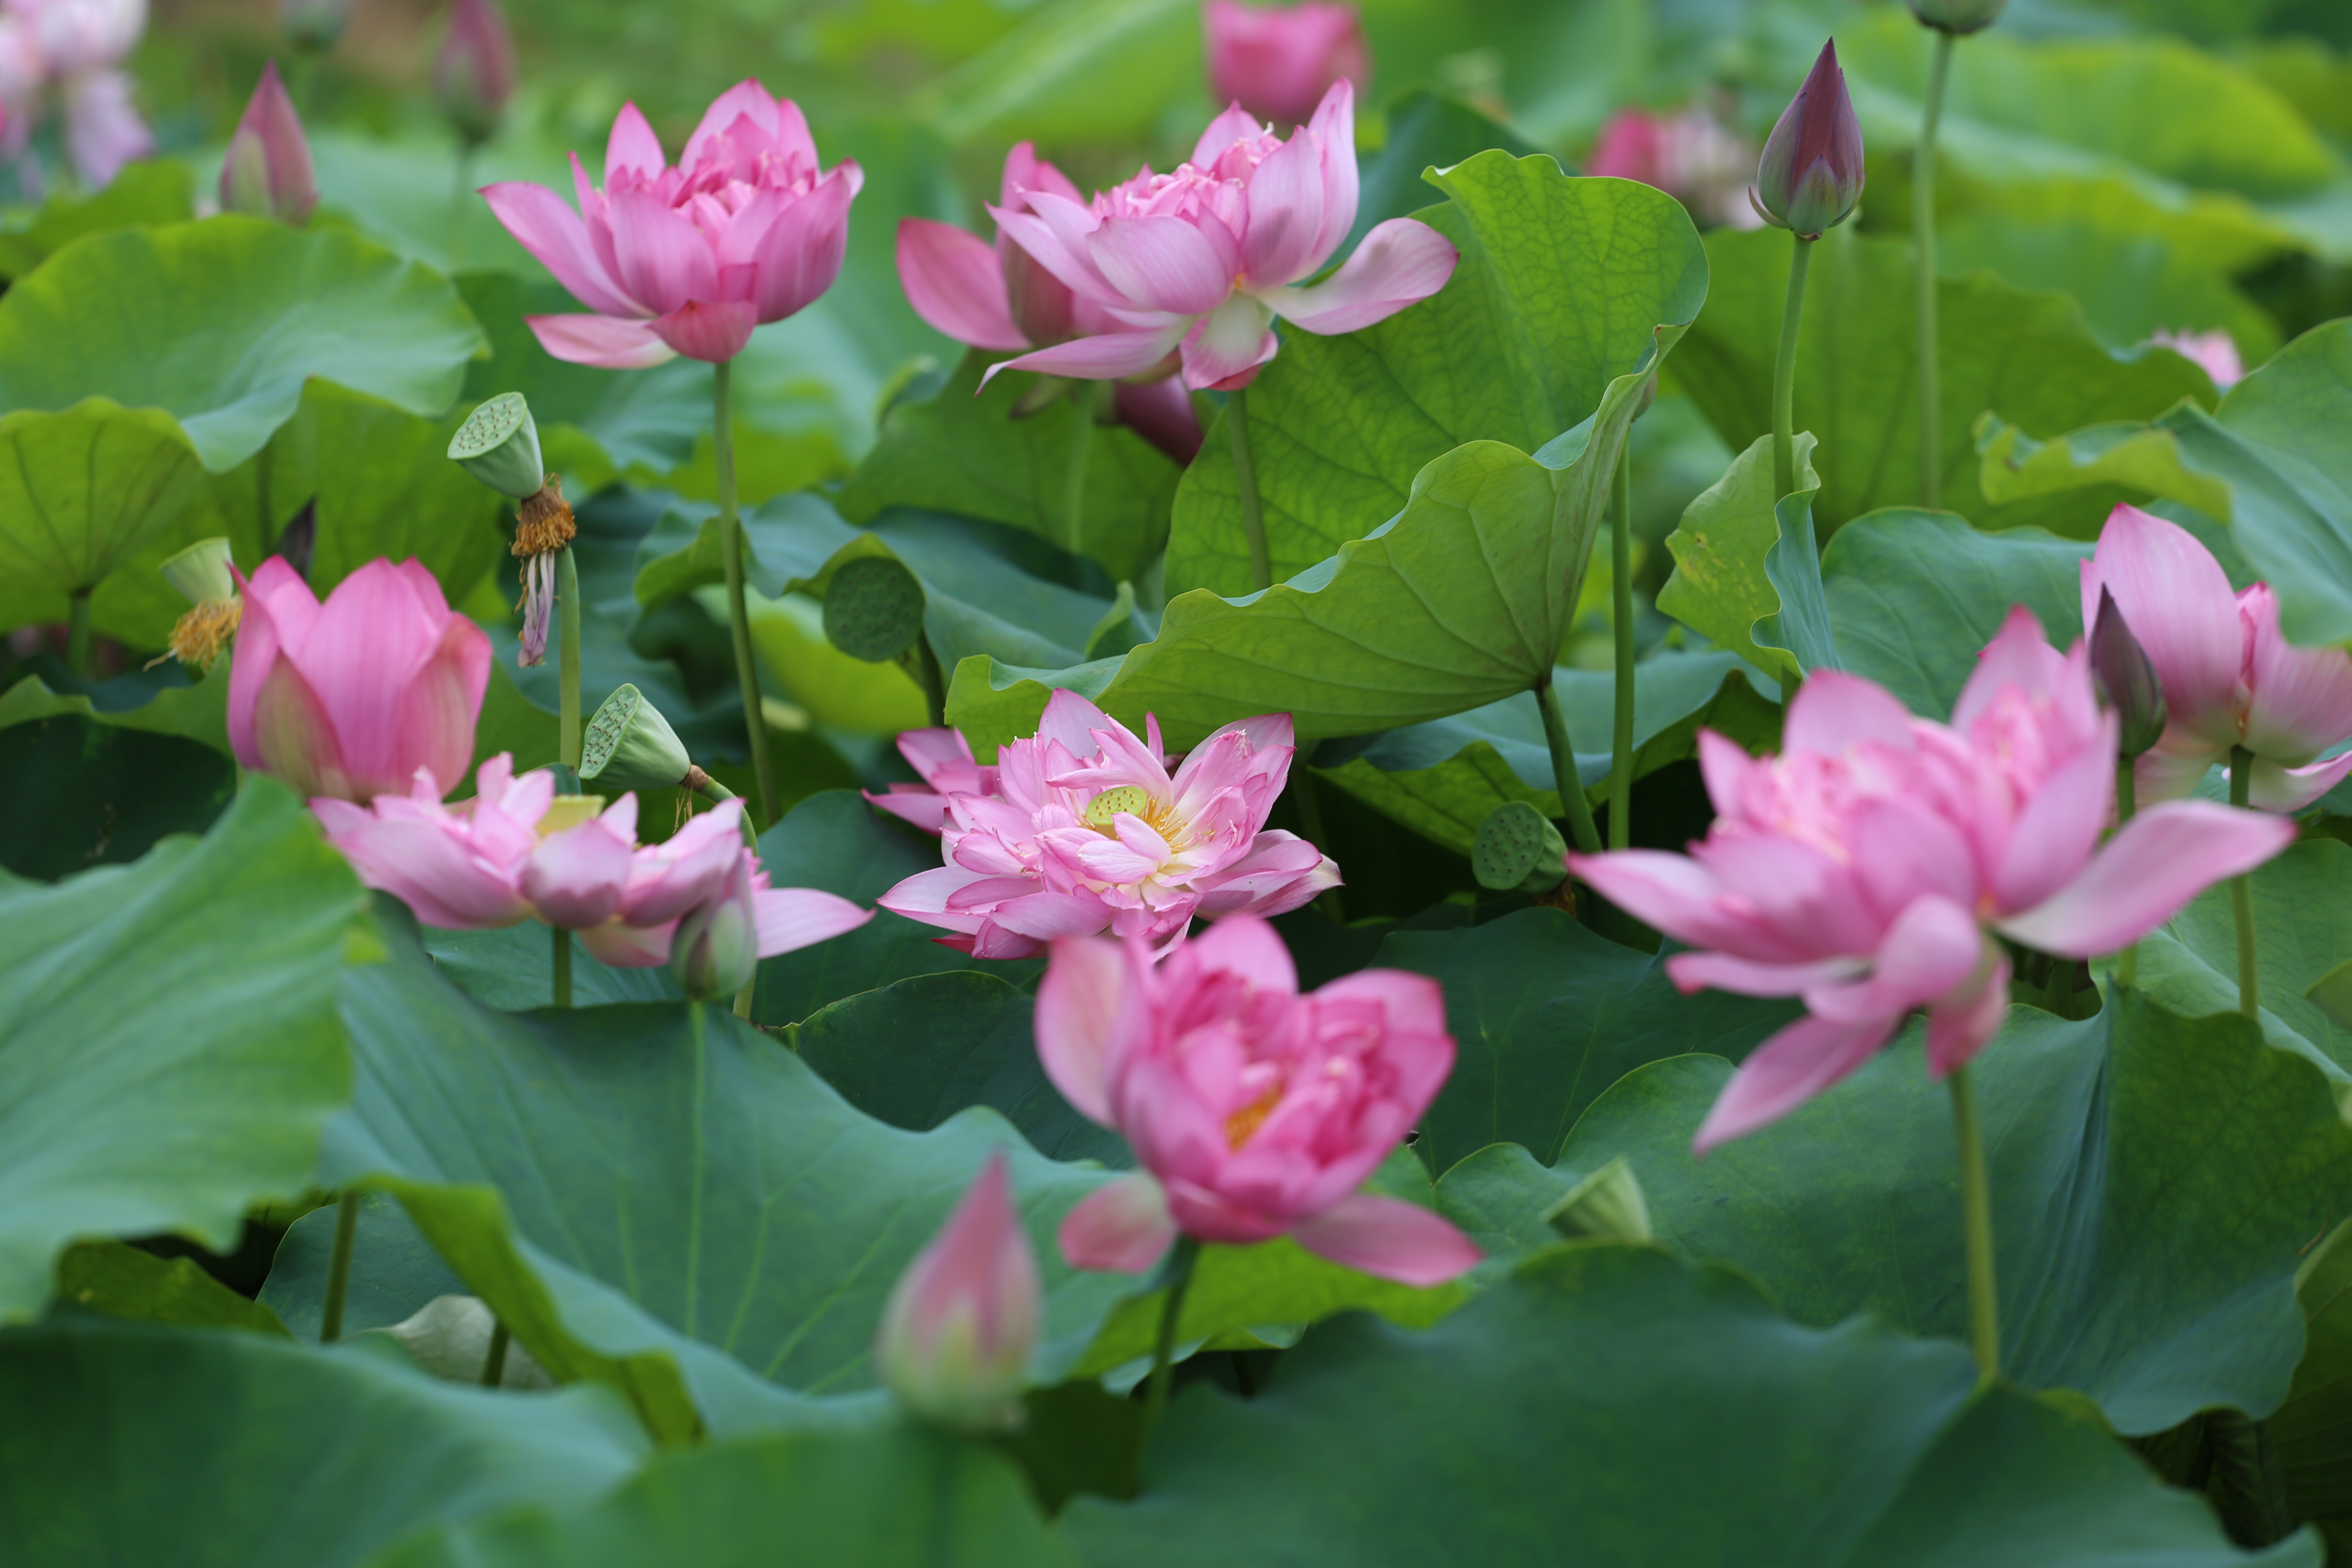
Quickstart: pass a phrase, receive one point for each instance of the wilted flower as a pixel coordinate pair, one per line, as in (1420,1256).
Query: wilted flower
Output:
(267,171)
(1277,61)
(206,578)
(1089,831)
(1254,1111)
(957,1332)
(474,73)
(1870,866)
(1810,175)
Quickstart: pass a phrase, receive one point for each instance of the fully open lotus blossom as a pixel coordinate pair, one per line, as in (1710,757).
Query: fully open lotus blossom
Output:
(70,54)
(352,697)
(2215,352)
(998,297)
(268,170)
(687,261)
(1277,61)
(943,758)
(1089,831)
(1690,154)
(1869,867)
(512,854)
(1198,263)
(1254,1112)
(957,1332)
(2230,678)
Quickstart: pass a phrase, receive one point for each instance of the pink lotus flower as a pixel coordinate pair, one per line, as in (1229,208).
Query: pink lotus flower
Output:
(474,70)
(2214,352)
(1870,865)
(1690,155)
(1001,299)
(1087,831)
(687,261)
(70,51)
(2230,678)
(510,854)
(350,698)
(1254,1111)
(1199,263)
(943,758)
(267,171)
(1277,61)
(956,1334)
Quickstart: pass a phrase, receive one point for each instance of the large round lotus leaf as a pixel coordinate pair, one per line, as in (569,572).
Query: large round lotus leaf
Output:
(81,490)
(219,322)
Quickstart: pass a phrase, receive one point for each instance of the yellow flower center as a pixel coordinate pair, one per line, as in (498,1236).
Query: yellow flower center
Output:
(1101,813)
(570,811)
(1242,1123)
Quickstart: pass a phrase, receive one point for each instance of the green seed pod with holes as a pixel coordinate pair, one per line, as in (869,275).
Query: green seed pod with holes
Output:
(629,745)
(1517,851)
(1607,1203)
(873,609)
(498,445)
(201,572)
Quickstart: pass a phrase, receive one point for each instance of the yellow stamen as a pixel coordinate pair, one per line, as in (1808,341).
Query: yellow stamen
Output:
(543,523)
(1242,1123)
(570,811)
(205,631)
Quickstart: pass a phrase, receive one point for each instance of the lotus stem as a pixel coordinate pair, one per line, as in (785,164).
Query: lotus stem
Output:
(563,950)
(1074,484)
(494,1365)
(1784,375)
(1923,228)
(1572,803)
(2250,1491)
(567,611)
(739,618)
(1620,615)
(1163,1350)
(461,204)
(1976,1214)
(1246,481)
(2127,803)
(77,634)
(2241,893)
(338,1269)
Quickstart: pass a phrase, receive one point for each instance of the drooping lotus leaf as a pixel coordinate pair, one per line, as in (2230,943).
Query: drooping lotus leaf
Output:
(83,488)
(116,1279)
(1722,585)
(1564,286)
(2154,1179)
(168,1046)
(1610,1405)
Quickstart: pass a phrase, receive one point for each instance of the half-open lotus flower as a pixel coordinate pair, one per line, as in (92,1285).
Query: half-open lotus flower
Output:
(352,697)
(1086,829)
(998,297)
(1198,263)
(1871,868)
(745,230)
(512,854)
(1254,1111)
(2230,678)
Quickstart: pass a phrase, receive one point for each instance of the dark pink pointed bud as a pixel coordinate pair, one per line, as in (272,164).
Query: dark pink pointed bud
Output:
(957,1331)
(267,171)
(2126,678)
(1810,175)
(1957,17)
(474,74)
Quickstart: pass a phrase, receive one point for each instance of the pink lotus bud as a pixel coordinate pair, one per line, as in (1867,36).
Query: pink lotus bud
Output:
(267,171)
(716,948)
(956,1335)
(474,74)
(2216,352)
(1277,61)
(1810,175)
(2126,678)
(350,697)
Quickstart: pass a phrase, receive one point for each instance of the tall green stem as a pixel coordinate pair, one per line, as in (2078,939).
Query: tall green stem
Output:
(2241,893)
(1620,615)
(338,1269)
(563,951)
(77,634)
(461,204)
(1784,374)
(1976,1213)
(567,610)
(2127,803)
(1923,230)
(738,617)
(494,1365)
(1246,477)
(1563,772)
(1163,1348)
(1073,483)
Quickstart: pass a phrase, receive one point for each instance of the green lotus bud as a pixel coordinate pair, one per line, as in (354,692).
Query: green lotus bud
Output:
(1517,851)
(1957,18)
(2125,679)
(715,949)
(629,745)
(498,445)
(873,609)
(201,572)
(1810,175)
(1607,1203)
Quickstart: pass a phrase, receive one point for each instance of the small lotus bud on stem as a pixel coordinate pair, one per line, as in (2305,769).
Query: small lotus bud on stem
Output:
(715,951)
(474,73)
(268,172)
(1957,18)
(1810,175)
(958,1330)
(2126,678)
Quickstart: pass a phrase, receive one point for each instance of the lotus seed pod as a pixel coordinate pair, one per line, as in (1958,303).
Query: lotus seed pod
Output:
(873,609)
(1607,1203)
(1517,851)
(201,572)
(629,745)
(1957,17)
(498,445)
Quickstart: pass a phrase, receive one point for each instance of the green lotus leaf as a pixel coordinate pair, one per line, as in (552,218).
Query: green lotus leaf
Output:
(83,489)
